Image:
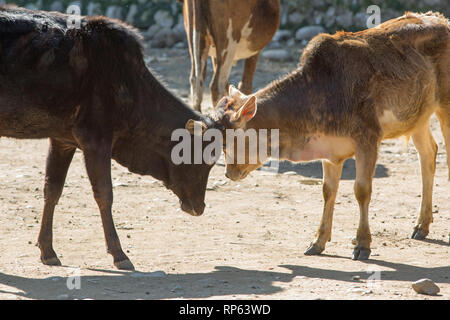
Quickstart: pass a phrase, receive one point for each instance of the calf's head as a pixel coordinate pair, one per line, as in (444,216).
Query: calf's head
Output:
(188,179)
(240,143)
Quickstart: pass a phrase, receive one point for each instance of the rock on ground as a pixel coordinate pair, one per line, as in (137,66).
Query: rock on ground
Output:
(425,286)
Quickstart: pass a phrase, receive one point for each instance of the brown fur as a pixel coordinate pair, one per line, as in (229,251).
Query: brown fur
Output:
(354,90)
(210,20)
(89,88)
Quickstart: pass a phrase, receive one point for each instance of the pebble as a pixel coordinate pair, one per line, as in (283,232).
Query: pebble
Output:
(425,286)
(120,184)
(311,181)
(356,290)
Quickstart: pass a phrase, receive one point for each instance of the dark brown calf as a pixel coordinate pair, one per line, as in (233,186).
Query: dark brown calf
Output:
(351,91)
(89,88)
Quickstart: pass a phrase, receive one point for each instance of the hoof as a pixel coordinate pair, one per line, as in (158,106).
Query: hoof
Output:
(53,261)
(313,250)
(419,234)
(361,254)
(124,265)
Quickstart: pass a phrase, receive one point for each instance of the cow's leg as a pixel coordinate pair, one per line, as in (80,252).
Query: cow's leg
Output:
(214,64)
(444,119)
(219,81)
(97,155)
(427,149)
(198,69)
(194,41)
(331,177)
(365,158)
(58,162)
(247,77)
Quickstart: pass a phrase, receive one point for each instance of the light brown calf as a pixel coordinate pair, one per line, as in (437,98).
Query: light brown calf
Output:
(227,30)
(351,91)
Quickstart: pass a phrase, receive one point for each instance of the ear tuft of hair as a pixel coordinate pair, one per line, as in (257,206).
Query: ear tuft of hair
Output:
(248,110)
(191,125)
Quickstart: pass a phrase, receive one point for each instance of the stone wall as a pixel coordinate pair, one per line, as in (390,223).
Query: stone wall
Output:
(141,13)
(350,15)
(161,20)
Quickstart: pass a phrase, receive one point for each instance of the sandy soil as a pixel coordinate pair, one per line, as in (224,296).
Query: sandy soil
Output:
(248,244)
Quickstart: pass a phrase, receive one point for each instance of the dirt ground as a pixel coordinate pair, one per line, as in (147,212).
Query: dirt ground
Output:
(248,244)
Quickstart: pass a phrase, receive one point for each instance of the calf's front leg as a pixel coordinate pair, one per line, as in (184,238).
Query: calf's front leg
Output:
(443,115)
(427,149)
(331,178)
(365,158)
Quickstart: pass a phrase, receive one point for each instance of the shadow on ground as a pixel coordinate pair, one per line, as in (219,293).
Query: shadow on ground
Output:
(314,169)
(223,281)
(399,272)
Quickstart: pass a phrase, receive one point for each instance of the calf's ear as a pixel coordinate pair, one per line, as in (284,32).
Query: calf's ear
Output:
(248,110)
(195,127)
(234,92)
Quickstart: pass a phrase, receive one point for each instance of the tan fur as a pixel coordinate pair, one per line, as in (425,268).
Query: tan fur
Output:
(351,91)
(227,31)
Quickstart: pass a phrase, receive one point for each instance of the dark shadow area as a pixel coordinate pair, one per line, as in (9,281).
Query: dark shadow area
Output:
(437,241)
(125,285)
(223,281)
(314,169)
(400,272)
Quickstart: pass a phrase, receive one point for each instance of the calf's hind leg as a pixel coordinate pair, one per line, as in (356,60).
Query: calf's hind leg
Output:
(97,155)
(365,158)
(444,119)
(58,162)
(427,149)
